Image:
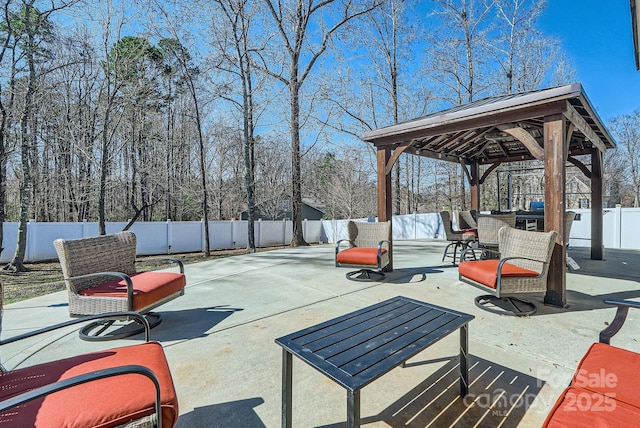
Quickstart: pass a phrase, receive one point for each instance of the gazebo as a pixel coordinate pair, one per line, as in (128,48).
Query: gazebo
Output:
(555,126)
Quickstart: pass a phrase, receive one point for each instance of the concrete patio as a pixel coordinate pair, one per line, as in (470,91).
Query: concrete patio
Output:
(219,340)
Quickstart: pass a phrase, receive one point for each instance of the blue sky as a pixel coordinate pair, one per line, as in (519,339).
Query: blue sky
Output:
(596,34)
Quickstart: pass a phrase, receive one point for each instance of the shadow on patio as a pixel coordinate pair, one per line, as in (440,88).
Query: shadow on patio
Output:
(499,396)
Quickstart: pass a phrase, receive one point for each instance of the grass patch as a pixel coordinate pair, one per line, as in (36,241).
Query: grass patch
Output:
(46,277)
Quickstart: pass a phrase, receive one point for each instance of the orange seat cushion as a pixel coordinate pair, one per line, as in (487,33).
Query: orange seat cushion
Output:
(486,271)
(578,407)
(148,288)
(359,256)
(469,231)
(610,371)
(102,403)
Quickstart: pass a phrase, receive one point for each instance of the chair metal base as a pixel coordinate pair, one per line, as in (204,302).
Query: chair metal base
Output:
(365,275)
(512,306)
(458,248)
(103,330)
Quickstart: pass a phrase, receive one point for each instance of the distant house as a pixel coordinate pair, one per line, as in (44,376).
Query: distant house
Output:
(310,211)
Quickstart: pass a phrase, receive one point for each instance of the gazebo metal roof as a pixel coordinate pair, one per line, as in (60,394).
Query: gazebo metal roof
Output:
(491,129)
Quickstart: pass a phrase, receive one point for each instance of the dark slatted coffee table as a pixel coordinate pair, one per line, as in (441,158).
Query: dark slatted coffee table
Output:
(357,348)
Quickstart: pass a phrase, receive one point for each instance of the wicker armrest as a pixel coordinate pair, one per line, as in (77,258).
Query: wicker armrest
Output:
(123,276)
(171,260)
(117,315)
(508,259)
(45,390)
(618,321)
(380,244)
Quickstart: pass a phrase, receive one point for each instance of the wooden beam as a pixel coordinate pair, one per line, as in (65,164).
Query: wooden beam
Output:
(464,141)
(524,137)
(489,171)
(485,120)
(466,171)
(567,140)
(597,248)
(427,153)
(384,194)
(450,140)
(554,206)
(576,118)
(474,186)
(582,167)
(396,154)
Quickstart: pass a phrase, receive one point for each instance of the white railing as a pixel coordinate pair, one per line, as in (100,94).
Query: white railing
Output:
(172,237)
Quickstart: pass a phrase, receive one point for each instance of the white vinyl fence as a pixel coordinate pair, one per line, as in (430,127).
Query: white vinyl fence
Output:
(172,237)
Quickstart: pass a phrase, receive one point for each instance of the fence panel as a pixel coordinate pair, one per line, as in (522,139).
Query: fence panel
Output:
(619,231)
(185,236)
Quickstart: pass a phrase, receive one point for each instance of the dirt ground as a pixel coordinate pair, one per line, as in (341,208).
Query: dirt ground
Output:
(46,277)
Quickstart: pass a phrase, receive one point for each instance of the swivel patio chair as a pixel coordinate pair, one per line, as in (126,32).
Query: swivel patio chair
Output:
(521,268)
(489,225)
(458,240)
(128,387)
(368,249)
(100,275)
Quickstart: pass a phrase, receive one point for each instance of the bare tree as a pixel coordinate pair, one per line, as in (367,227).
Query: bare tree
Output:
(303,47)
(457,49)
(31,27)
(237,61)
(178,61)
(523,54)
(6,107)
(626,129)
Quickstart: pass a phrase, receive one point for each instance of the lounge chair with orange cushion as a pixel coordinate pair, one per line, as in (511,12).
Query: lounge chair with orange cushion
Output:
(367,248)
(520,269)
(101,276)
(126,387)
(604,388)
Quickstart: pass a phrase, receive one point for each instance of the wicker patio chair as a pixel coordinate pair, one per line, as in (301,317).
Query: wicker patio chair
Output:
(569,216)
(489,225)
(458,240)
(368,249)
(521,268)
(466,220)
(127,387)
(100,275)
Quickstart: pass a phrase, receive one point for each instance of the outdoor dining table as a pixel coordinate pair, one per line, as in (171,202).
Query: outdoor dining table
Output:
(357,348)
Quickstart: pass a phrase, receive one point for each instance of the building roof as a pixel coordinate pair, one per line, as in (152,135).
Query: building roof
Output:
(498,129)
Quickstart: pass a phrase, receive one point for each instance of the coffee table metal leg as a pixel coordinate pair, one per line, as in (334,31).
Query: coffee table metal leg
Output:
(287,393)
(353,409)
(464,360)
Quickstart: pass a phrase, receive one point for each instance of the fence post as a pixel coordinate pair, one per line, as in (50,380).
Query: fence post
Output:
(202,237)
(618,235)
(257,232)
(31,241)
(168,226)
(284,231)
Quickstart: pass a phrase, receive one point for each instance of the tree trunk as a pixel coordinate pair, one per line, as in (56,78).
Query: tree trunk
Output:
(17,263)
(297,238)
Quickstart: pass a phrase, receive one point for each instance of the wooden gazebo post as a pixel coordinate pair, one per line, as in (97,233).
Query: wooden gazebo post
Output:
(384,194)
(474,186)
(555,155)
(596,205)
